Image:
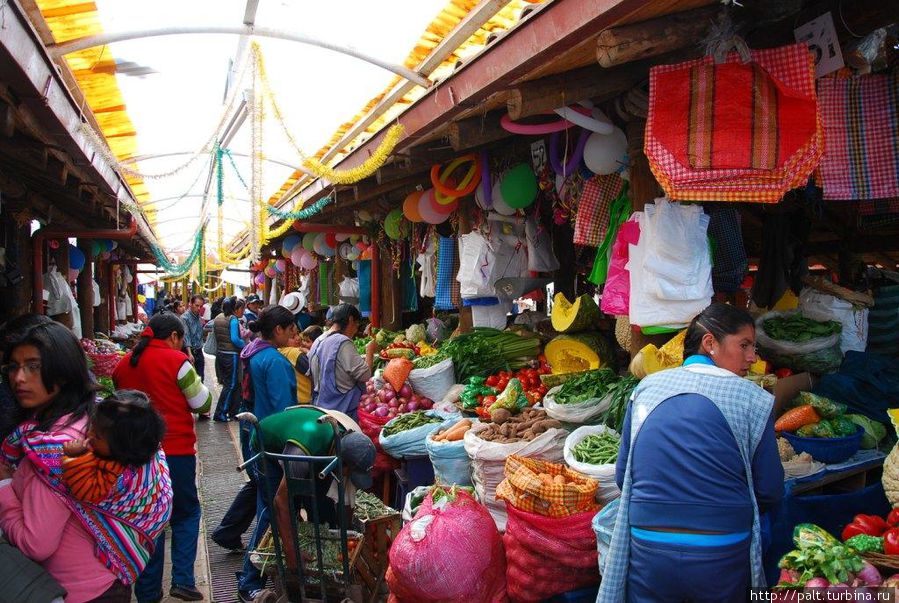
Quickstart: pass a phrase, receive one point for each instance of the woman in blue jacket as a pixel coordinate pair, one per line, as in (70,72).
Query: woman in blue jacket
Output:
(269,386)
(697,463)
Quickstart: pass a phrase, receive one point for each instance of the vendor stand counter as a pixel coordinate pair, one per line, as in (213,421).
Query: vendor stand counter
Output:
(829,498)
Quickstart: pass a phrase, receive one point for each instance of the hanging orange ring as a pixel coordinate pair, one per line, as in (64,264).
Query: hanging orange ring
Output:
(443,193)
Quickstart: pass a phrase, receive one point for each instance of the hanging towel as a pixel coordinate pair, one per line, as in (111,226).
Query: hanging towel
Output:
(364,272)
(446,275)
(594,206)
(861,121)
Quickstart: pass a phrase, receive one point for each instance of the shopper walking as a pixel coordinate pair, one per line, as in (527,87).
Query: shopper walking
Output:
(226,328)
(193,334)
(698,462)
(338,371)
(157,367)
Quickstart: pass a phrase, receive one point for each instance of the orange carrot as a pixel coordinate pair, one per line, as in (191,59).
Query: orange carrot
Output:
(795,418)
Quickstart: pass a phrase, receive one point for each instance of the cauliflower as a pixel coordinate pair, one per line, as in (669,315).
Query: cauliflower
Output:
(416,333)
(785,450)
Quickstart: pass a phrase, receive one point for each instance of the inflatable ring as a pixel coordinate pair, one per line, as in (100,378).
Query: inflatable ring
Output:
(466,187)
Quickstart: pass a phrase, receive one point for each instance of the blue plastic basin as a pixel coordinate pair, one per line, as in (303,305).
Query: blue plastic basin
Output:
(827,450)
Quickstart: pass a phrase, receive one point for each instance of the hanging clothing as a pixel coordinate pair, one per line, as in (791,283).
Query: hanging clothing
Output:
(428,276)
(446,276)
(782,263)
(619,212)
(730,262)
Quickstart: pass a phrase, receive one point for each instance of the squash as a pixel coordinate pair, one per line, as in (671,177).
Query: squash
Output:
(578,352)
(651,359)
(568,317)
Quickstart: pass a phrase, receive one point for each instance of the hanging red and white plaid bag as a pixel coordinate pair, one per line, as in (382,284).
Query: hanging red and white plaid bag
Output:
(735,131)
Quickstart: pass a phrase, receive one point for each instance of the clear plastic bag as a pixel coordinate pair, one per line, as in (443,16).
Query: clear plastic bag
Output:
(435,381)
(580,413)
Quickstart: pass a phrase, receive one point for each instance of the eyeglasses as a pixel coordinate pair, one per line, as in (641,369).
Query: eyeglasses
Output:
(30,368)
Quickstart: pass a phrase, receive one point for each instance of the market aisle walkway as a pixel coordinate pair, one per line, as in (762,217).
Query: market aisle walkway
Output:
(219,482)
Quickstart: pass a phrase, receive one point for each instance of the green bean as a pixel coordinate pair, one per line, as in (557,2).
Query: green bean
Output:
(597,449)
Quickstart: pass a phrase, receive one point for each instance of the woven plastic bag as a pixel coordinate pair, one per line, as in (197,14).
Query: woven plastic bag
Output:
(488,461)
(450,552)
(433,382)
(371,425)
(451,463)
(397,371)
(524,489)
(548,556)
(821,306)
(604,474)
(581,412)
(410,442)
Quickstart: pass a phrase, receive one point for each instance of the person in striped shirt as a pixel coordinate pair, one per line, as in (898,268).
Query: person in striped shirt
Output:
(158,367)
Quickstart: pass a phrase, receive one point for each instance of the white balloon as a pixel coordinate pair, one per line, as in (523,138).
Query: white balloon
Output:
(605,154)
(479,195)
(499,204)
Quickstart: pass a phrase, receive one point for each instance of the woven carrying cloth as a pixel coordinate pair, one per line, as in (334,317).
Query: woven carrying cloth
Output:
(746,408)
(524,488)
(861,126)
(734,131)
(126,523)
(592,219)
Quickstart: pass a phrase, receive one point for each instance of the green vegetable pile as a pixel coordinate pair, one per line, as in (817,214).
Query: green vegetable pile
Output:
(107,387)
(862,543)
(620,393)
(428,361)
(597,449)
(359,343)
(818,553)
(485,351)
(368,507)
(798,329)
(835,423)
(589,385)
(410,421)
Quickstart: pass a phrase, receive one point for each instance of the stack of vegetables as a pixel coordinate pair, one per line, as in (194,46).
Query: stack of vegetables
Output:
(481,394)
(579,347)
(790,340)
(813,416)
(821,561)
(873,534)
(484,351)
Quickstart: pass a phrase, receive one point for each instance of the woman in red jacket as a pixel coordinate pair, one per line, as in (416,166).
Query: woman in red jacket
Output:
(159,368)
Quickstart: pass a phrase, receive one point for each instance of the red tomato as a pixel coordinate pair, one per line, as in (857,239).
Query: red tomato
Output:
(542,389)
(503,382)
(783,373)
(492,380)
(488,401)
(891,541)
(893,517)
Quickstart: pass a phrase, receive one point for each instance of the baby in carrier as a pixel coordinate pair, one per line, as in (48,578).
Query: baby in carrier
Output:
(124,431)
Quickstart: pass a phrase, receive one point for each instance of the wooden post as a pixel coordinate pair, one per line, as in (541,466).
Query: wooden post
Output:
(86,288)
(102,314)
(133,285)
(625,43)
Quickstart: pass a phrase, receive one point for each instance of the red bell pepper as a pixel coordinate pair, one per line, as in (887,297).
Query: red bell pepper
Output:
(893,518)
(870,525)
(891,541)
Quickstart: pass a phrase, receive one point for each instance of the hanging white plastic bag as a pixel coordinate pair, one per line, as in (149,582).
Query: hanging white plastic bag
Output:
(474,266)
(604,474)
(541,257)
(493,316)
(677,253)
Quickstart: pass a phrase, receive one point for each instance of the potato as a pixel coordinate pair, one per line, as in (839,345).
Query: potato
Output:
(500,416)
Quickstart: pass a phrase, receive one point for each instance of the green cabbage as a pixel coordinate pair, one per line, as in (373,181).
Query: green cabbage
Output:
(416,333)
(874,430)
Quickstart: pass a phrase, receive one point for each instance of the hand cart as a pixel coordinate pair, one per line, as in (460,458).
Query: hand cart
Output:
(297,586)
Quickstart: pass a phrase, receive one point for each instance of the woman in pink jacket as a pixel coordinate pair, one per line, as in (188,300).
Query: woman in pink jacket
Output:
(94,551)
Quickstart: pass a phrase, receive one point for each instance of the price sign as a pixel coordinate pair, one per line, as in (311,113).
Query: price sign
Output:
(538,155)
(823,42)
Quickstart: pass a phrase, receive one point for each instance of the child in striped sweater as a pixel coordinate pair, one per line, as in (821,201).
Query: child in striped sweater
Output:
(124,431)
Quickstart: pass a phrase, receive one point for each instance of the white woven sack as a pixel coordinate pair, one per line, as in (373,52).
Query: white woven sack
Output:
(435,381)
(488,462)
